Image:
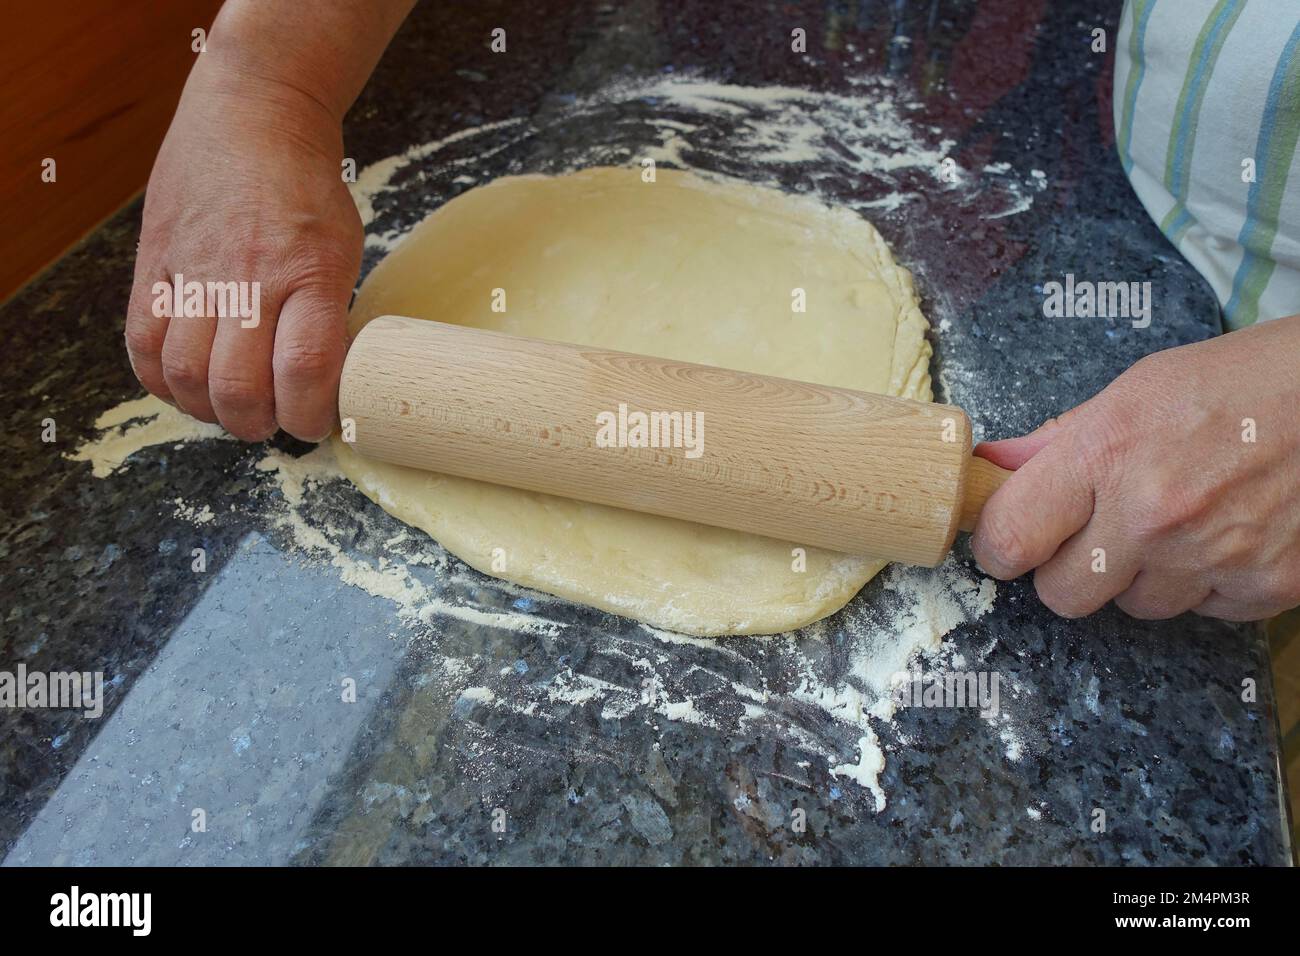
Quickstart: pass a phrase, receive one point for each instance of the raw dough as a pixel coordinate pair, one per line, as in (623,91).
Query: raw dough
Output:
(683,268)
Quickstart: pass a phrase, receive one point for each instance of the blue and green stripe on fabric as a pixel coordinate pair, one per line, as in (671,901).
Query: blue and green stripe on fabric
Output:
(1274,154)
(1178,158)
(1142,10)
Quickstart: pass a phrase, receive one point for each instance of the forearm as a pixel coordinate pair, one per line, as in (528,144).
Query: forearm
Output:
(324,50)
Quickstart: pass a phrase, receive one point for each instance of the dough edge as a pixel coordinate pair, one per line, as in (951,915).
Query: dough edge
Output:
(842,575)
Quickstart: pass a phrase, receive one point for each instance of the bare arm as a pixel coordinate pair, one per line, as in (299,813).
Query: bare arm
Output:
(247,188)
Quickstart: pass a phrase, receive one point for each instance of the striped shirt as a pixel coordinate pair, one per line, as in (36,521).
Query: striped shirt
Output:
(1207,114)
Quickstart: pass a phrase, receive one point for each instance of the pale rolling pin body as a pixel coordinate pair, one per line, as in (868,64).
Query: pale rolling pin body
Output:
(810,464)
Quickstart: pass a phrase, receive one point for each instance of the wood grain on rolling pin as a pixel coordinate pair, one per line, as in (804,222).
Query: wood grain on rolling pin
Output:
(814,465)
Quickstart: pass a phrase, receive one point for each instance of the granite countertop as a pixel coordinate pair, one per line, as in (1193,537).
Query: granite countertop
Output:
(471,741)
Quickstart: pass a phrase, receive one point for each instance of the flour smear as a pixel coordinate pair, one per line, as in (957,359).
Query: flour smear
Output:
(829,708)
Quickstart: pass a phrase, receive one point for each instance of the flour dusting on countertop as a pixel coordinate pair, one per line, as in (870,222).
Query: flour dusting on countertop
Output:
(757,133)
(906,627)
(823,692)
(139,423)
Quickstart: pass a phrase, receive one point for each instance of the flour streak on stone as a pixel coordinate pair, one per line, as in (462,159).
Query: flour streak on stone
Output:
(831,715)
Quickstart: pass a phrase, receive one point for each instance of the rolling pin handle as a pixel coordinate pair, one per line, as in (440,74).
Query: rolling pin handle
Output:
(982,479)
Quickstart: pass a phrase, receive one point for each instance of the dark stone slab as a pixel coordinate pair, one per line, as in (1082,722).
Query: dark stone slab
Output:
(223,687)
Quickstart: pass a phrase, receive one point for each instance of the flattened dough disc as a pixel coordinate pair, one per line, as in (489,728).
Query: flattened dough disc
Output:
(682,268)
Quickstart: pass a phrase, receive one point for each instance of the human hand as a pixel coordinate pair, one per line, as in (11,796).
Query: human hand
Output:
(1181,480)
(247,188)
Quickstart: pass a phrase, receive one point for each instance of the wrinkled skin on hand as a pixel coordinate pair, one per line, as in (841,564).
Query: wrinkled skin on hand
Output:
(248,187)
(1154,471)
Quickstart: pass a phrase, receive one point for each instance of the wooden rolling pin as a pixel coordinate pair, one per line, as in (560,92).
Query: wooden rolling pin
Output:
(813,465)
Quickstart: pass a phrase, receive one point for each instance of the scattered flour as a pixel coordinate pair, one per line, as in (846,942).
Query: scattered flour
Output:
(917,609)
(156,423)
(928,605)
(387,579)
(193,514)
(145,422)
(822,142)
(779,135)
(377,177)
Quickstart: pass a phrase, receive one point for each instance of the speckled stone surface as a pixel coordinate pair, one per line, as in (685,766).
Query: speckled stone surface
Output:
(223,687)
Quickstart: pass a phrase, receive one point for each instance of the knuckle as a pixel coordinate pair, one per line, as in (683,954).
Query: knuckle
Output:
(1162,506)
(234,391)
(139,307)
(142,341)
(298,361)
(155,230)
(1238,546)
(184,372)
(325,262)
(1155,369)
(306,256)
(260,239)
(141,316)
(1146,365)
(1100,448)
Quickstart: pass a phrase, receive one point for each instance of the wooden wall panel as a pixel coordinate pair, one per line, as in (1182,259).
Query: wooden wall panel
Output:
(91,84)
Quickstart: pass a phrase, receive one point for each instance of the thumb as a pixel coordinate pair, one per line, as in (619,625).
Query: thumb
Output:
(1035,511)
